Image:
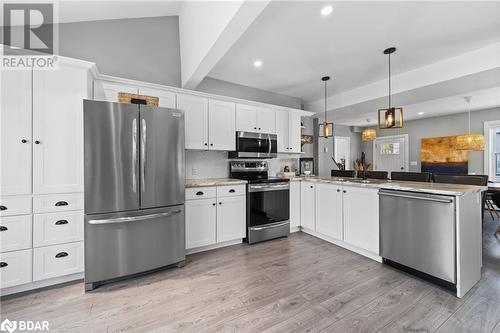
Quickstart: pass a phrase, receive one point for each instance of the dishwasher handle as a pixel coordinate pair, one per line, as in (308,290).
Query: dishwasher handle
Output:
(408,196)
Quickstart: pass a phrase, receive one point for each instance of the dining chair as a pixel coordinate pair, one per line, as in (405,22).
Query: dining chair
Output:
(377,174)
(411,176)
(495,198)
(343,173)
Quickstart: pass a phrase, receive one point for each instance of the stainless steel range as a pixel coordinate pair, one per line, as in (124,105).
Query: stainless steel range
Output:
(268,201)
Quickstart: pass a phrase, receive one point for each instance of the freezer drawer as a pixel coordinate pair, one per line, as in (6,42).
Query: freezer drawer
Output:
(417,230)
(121,244)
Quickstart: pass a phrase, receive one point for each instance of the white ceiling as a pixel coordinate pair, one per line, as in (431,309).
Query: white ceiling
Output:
(298,46)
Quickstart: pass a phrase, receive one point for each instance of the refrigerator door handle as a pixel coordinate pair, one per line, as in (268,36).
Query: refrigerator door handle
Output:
(135,218)
(134,155)
(143,155)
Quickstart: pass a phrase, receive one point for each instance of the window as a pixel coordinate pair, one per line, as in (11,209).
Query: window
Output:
(492,151)
(389,148)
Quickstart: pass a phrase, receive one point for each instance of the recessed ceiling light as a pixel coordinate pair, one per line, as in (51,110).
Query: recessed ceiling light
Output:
(421,113)
(327,10)
(257,63)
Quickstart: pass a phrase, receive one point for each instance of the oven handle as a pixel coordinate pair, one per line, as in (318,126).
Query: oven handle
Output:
(270,226)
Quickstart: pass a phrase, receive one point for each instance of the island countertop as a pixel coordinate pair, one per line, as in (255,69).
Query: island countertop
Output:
(213,182)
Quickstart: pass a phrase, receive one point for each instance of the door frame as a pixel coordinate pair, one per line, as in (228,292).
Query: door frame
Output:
(488,163)
(407,149)
(347,165)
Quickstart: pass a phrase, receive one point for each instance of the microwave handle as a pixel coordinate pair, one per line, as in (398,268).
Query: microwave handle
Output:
(269,141)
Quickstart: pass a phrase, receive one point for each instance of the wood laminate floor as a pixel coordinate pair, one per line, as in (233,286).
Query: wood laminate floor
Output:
(296,284)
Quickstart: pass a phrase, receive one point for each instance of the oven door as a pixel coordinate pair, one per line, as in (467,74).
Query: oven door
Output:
(256,145)
(268,211)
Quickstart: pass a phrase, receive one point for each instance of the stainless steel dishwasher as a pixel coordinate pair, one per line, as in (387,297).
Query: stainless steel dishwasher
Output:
(417,231)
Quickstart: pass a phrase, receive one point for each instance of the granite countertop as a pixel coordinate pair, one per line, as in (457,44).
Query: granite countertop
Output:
(213,182)
(435,188)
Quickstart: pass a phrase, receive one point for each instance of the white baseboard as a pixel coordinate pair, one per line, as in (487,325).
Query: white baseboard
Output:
(294,229)
(213,246)
(343,244)
(41,284)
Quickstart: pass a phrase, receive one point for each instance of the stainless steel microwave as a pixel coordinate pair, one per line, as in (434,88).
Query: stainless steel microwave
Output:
(255,145)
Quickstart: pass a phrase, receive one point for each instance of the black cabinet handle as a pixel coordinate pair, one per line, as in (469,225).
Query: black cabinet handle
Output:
(232,190)
(259,128)
(3,264)
(213,204)
(311,186)
(211,144)
(199,193)
(206,144)
(344,191)
(61,203)
(62,254)
(338,190)
(220,203)
(3,228)
(61,222)
(255,128)
(37,142)
(3,208)
(24,140)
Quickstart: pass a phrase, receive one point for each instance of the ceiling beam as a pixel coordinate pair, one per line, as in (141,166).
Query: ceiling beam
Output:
(207,30)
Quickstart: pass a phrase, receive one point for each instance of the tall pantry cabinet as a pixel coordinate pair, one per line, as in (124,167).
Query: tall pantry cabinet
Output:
(41,175)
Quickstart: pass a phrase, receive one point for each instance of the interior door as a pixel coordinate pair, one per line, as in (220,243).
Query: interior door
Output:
(111,134)
(342,150)
(390,154)
(161,157)
(15,135)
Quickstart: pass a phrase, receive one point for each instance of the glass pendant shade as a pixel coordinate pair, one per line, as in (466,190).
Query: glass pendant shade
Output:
(325,128)
(368,134)
(390,117)
(473,142)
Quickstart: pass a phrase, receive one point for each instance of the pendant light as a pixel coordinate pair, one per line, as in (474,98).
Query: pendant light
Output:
(472,142)
(391,117)
(326,128)
(368,134)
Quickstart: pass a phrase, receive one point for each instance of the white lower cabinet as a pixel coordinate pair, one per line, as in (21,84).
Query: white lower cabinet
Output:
(307,205)
(216,219)
(57,260)
(57,228)
(329,210)
(361,218)
(294,204)
(15,268)
(15,233)
(201,220)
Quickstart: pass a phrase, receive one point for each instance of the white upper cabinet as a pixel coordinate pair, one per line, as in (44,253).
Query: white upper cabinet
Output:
(361,220)
(58,129)
(266,120)
(108,91)
(221,122)
(166,98)
(329,210)
(282,131)
(195,119)
(246,118)
(294,132)
(15,145)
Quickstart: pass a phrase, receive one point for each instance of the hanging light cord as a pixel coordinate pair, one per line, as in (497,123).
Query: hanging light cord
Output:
(325,101)
(389,81)
(469,116)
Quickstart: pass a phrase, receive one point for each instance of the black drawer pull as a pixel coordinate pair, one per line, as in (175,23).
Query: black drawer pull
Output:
(61,222)
(2,228)
(338,190)
(3,264)
(199,193)
(61,203)
(344,191)
(232,190)
(3,208)
(24,141)
(62,254)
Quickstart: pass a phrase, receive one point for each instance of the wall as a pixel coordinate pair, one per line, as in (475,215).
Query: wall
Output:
(440,126)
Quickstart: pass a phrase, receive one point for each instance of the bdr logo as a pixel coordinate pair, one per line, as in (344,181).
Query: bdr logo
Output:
(23,325)
(28,26)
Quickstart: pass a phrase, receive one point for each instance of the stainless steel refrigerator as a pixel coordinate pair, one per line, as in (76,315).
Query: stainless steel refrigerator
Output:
(134,189)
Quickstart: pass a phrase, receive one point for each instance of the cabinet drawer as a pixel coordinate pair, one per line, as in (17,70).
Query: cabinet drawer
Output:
(57,260)
(15,206)
(16,268)
(57,202)
(231,190)
(200,192)
(57,228)
(15,233)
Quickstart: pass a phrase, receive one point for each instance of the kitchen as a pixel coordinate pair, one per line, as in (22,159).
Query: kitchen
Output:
(131,189)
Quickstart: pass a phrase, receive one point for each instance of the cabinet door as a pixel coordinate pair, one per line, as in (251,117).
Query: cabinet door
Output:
(221,125)
(282,131)
(307,207)
(58,129)
(294,133)
(195,119)
(231,218)
(329,210)
(108,91)
(294,204)
(200,223)
(246,118)
(166,98)
(15,136)
(266,120)
(361,221)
